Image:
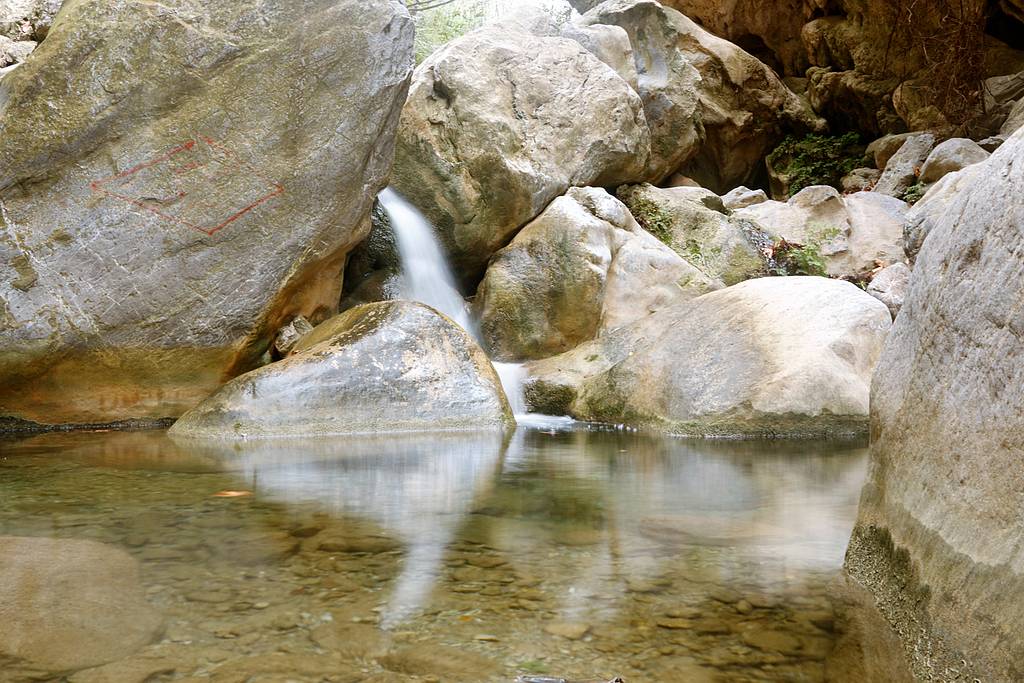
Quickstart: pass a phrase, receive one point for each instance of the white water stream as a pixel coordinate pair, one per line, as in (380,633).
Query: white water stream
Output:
(428,279)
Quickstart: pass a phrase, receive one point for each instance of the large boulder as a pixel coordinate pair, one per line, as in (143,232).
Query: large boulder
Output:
(952,155)
(583,267)
(769,357)
(932,207)
(714,109)
(69,604)
(938,535)
(852,233)
(904,167)
(385,367)
(500,122)
(161,218)
(696,224)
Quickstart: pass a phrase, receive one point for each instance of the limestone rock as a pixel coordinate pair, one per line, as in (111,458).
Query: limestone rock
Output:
(742,197)
(932,207)
(854,100)
(852,232)
(69,604)
(581,268)
(390,366)
(890,286)
(1014,120)
(773,356)
(28,19)
(696,224)
(937,540)
(14,52)
(952,155)
(689,79)
(161,219)
(499,123)
(860,180)
(882,149)
(904,167)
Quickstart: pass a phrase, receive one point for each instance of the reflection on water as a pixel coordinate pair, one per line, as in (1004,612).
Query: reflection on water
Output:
(468,557)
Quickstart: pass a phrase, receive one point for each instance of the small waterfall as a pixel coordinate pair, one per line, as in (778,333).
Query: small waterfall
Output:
(429,280)
(424,266)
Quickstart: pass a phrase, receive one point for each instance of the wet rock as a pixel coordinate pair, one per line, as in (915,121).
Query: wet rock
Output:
(444,662)
(583,267)
(70,604)
(799,360)
(938,533)
(904,167)
(427,374)
(163,217)
(568,629)
(499,123)
(952,155)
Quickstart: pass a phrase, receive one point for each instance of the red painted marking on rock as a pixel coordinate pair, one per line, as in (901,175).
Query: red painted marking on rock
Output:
(174,186)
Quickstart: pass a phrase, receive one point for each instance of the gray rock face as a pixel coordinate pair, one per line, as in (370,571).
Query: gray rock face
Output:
(386,367)
(161,219)
(499,123)
(903,168)
(890,286)
(68,605)
(882,149)
(1014,120)
(583,267)
(952,155)
(709,103)
(938,536)
(788,356)
(932,207)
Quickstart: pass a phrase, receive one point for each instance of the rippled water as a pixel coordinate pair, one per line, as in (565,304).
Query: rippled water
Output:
(468,557)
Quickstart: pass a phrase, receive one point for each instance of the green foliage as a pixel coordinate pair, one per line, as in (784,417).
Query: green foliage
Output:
(817,159)
(649,214)
(437,27)
(913,194)
(791,258)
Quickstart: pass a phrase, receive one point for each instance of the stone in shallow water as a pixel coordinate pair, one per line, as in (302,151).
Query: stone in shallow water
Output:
(70,604)
(388,366)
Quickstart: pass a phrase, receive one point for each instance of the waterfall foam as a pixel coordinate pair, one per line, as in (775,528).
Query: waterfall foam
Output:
(428,279)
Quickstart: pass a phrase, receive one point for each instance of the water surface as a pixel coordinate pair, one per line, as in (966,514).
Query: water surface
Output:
(465,557)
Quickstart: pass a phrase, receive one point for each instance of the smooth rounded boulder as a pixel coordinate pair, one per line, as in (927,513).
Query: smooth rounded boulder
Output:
(772,357)
(393,366)
(938,533)
(499,123)
(583,267)
(69,604)
(161,218)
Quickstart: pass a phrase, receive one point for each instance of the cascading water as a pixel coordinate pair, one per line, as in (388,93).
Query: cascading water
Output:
(429,280)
